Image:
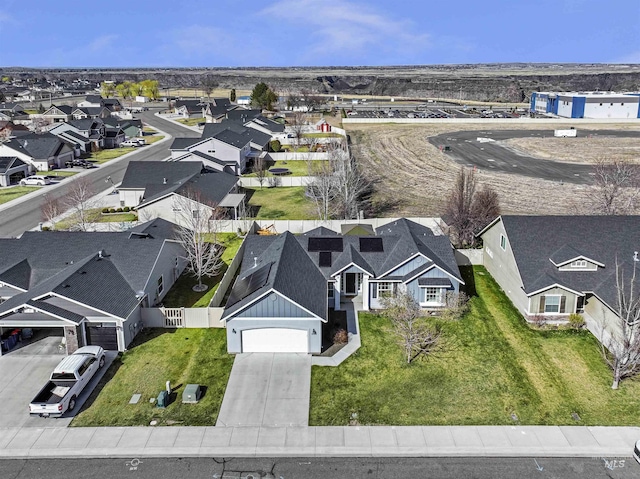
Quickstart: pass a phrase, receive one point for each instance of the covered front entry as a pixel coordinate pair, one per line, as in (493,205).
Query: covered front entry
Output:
(102,334)
(275,340)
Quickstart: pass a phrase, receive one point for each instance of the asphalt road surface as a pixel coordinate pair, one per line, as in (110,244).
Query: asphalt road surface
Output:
(325,468)
(24,216)
(491,156)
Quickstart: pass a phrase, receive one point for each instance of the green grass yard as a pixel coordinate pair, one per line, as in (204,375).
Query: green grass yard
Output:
(281,203)
(182,294)
(297,167)
(321,135)
(61,173)
(9,194)
(183,356)
(191,121)
(494,365)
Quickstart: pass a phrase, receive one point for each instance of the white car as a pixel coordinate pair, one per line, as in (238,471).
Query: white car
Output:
(35,180)
(133,142)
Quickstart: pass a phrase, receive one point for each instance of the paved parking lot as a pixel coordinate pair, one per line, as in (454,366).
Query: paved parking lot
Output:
(23,372)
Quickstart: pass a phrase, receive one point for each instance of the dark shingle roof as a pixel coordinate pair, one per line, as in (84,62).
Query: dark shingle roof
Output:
(212,187)
(93,98)
(292,273)
(536,239)
(183,143)
(38,146)
(66,109)
(7,162)
(139,174)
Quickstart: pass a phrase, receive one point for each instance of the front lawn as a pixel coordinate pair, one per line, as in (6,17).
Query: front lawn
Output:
(61,173)
(102,156)
(11,193)
(183,356)
(191,121)
(280,203)
(494,366)
(297,167)
(182,294)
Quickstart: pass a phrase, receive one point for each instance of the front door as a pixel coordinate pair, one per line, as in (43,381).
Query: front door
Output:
(350,286)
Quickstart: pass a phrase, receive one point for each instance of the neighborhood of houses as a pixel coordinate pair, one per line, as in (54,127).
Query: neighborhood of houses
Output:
(283,290)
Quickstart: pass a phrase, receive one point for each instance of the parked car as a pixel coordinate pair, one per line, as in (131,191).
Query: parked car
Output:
(78,162)
(68,380)
(35,180)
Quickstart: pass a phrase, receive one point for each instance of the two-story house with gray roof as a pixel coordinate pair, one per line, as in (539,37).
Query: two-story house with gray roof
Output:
(552,266)
(41,151)
(287,283)
(91,286)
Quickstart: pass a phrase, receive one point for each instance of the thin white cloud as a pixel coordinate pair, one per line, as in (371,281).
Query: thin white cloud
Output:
(348,29)
(101,43)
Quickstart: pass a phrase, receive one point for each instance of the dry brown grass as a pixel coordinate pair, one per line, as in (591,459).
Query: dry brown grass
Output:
(413,177)
(578,150)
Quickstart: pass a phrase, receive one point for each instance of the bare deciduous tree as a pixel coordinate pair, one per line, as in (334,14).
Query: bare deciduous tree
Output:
(50,209)
(298,124)
(620,335)
(414,335)
(260,170)
(209,84)
(353,183)
(617,185)
(322,188)
(40,125)
(79,199)
(197,225)
(468,211)
(455,305)
(310,99)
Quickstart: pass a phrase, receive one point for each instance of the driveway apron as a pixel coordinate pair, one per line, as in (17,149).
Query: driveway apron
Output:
(267,389)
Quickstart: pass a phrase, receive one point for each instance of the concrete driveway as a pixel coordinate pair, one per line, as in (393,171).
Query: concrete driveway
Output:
(24,372)
(267,389)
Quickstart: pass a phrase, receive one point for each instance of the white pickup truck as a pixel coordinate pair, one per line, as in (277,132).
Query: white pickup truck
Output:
(68,380)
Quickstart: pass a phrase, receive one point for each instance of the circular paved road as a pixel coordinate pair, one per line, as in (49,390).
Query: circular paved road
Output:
(491,155)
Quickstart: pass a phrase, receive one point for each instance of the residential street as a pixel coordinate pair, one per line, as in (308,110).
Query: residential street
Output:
(326,468)
(22,216)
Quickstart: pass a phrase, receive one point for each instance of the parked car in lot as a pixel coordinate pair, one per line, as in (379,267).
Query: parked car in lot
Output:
(68,380)
(133,142)
(35,180)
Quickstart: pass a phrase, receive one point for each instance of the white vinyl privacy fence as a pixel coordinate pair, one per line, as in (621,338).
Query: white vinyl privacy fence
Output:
(182,317)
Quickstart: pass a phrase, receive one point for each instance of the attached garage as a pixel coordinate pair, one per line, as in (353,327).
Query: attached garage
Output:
(275,340)
(103,334)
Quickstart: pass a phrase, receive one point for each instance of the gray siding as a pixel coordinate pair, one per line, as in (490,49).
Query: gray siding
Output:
(589,267)
(166,267)
(274,306)
(502,266)
(570,301)
(408,267)
(234,339)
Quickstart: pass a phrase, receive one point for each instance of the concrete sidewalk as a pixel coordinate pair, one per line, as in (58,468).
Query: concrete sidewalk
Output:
(356,441)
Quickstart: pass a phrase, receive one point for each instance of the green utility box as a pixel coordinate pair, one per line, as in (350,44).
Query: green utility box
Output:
(163,399)
(191,394)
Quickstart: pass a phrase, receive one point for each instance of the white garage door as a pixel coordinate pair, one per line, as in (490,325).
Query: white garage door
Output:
(275,340)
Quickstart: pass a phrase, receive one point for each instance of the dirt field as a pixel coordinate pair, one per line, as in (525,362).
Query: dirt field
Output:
(578,150)
(413,177)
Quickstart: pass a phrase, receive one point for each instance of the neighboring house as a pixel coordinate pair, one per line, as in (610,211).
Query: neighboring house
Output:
(42,152)
(57,114)
(11,129)
(552,266)
(189,108)
(93,129)
(91,286)
(113,104)
(152,187)
(216,110)
(287,283)
(131,128)
(92,101)
(265,125)
(90,112)
(12,170)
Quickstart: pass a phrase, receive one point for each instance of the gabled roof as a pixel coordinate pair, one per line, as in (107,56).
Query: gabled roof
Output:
(350,256)
(38,145)
(243,115)
(272,126)
(291,273)
(64,109)
(93,99)
(321,231)
(8,162)
(536,239)
(139,174)
(566,254)
(184,143)
(86,123)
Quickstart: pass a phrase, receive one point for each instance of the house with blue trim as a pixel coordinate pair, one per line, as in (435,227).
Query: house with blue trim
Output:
(287,285)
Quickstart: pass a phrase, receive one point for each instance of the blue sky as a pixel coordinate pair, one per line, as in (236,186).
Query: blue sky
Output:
(219,33)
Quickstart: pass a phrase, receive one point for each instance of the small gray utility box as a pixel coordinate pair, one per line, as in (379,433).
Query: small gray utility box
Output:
(191,394)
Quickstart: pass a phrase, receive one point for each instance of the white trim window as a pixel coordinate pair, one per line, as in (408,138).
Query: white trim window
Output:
(160,286)
(330,289)
(553,304)
(579,263)
(431,296)
(383,288)
(503,242)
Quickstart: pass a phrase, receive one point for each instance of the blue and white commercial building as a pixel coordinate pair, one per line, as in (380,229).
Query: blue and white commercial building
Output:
(587,104)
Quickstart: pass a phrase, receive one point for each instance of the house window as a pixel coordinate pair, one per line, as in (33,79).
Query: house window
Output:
(579,263)
(385,289)
(553,303)
(196,214)
(330,290)
(160,287)
(432,296)
(503,242)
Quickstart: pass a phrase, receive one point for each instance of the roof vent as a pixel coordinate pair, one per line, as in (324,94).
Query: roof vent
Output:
(635,256)
(255,261)
(102,254)
(164,181)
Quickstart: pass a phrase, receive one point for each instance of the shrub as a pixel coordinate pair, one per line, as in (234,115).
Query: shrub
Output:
(456,305)
(126,209)
(274,182)
(112,210)
(105,210)
(538,320)
(275,145)
(46,228)
(576,321)
(341,336)
(119,210)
